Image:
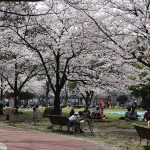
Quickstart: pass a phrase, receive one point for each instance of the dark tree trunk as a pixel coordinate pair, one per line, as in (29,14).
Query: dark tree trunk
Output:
(16,99)
(2,94)
(145,98)
(57,110)
(1,105)
(47,90)
(66,94)
(57,85)
(16,87)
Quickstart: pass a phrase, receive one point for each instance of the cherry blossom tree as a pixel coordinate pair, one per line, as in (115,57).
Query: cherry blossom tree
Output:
(69,45)
(17,67)
(55,40)
(21,0)
(100,72)
(125,24)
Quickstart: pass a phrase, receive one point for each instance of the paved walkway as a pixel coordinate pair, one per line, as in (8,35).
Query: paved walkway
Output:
(17,139)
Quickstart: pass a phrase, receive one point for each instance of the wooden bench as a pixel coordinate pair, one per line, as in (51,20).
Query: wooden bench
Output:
(143,132)
(59,120)
(64,121)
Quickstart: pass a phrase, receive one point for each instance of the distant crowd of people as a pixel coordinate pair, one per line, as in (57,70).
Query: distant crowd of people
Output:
(132,113)
(96,112)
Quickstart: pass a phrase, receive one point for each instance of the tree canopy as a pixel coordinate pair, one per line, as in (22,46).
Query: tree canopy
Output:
(92,47)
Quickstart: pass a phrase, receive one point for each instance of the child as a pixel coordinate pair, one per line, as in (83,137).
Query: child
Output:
(34,115)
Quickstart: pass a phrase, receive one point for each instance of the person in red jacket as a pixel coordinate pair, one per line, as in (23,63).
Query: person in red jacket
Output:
(147,115)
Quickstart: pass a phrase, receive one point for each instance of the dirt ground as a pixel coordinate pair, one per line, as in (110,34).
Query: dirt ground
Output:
(122,137)
(107,135)
(20,139)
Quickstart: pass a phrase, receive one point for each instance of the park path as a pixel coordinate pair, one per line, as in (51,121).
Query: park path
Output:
(19,139)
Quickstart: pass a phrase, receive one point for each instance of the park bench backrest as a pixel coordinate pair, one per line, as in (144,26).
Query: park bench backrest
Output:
(147,132)
(59,120)
(143,132)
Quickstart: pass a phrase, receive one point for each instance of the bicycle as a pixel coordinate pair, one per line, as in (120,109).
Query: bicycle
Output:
(86,124)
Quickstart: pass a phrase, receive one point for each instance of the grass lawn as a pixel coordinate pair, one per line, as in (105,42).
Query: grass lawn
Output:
(117,133)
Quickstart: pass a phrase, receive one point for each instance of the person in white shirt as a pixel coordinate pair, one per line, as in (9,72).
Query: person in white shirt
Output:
(75,121)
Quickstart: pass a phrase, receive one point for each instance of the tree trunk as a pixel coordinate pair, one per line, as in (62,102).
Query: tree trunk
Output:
(88,98)
(66,94)
(16,99)
(47,90)
(57,110)
(145,98)
(16,87)
(57,85)
(2,90)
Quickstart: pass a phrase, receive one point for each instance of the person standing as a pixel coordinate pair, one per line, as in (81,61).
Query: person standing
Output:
(34,116)
(38,112)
